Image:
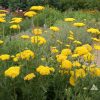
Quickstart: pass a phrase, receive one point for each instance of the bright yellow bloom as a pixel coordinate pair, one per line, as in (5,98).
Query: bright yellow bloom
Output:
(79,24)
(75,55)
(78,73)
(69,19)
(30,14)
(72,81)
(29,76)
(2,15)
(97,47)
(15,59)
(71,38)
(66,64)
(2,20)
(13,71)
(38,8)
(53,50)
(95,39)
(93,30)
(1,42)
(66,52)
(45,70)
(76,64)
(25,37)
(38,39)
(95,71)
(16,20)
(4,57)
(54,28)
(26,54)
(14,26)
(61,57)
(37,31)
(81,50)
(88,57)
(77,42)
(89,47)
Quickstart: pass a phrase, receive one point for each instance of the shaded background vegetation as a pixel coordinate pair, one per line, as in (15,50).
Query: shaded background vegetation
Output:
(59,4)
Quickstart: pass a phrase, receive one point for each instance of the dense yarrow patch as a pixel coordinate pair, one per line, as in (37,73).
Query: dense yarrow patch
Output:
(43,65)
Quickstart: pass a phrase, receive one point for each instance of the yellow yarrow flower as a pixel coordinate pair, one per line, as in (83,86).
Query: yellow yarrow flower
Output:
(2,20)
(13,71)
(16,20)
(76,64)
(37,31)
(25,37)
(66,64)
(14,26)
(30,14)
(4,57)
(29,76)
(38,8)
(25,55)
(66,52)
(93,31)
(38,39)
(44,70)
(88,57)
(61,57)
(2,15)
(53,50)
(69,19)
(54,28)
(97,47)
(79,24)
(81,50)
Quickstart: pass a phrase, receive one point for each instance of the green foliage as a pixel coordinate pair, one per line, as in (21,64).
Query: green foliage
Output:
(48,17)
(59,4)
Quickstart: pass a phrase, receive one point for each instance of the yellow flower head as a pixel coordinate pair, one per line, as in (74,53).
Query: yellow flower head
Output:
(76,64)
(4,57)
(38,39)
(81,50)
(79,24)
(2,15)
(30,14)
(95,39)
(66,52)
(61,57)
(14,26)
(12,72)
(2,20)
(88,57)
(89,48)
(54,28)
(44,70)
(29,76)
(25,37)
(38,8)
(16,20)
(93,31)
(66,64)
(26,54)
(53,50)
(69,19)
(37,31)
(97,47)
(77,42)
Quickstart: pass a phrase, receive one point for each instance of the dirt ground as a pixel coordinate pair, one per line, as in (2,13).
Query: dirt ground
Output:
(98,58)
